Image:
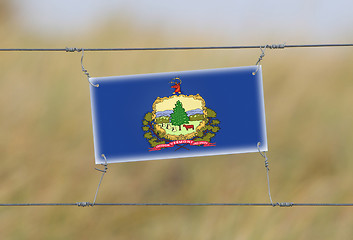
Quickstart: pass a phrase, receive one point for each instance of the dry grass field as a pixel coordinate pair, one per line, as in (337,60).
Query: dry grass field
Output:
(46,146)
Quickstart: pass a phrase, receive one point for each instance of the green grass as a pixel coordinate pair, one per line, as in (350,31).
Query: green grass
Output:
(163,120)
(196,117)
(183,131)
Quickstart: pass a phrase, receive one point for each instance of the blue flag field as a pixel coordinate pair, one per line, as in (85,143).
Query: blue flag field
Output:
(178,115)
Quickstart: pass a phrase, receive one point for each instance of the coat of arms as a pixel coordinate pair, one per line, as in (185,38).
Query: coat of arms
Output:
(180,120)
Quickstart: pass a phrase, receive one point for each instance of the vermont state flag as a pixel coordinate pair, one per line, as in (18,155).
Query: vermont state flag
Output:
(178,115)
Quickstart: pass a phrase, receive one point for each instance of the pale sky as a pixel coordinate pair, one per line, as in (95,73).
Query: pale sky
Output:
(316,21)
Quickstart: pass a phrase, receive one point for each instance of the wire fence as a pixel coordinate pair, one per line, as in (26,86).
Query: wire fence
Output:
(268,46)
(89,204)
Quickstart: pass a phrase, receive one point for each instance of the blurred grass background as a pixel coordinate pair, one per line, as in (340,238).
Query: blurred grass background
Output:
(46,145)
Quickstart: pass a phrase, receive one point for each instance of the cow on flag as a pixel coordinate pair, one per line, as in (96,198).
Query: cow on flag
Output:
(177,115)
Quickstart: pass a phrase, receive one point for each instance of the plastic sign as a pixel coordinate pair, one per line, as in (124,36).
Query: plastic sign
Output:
(178,115)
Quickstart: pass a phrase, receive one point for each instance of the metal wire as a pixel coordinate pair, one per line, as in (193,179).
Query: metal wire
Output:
(282,204)
(35,204)
(260,59)
(103,172)
(88,204)
(82,67)
(271,46)
(262,47)
(263,154)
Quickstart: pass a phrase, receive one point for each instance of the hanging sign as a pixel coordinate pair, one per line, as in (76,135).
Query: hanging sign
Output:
(178,115)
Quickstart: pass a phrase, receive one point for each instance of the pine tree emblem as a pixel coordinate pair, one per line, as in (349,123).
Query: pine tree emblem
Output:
(179,116)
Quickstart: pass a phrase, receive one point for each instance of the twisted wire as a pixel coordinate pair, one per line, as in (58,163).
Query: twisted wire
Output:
(88,204)
(263,154)
(82,67)
(262,48)
(270,46)
(260,59)
(103,172)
